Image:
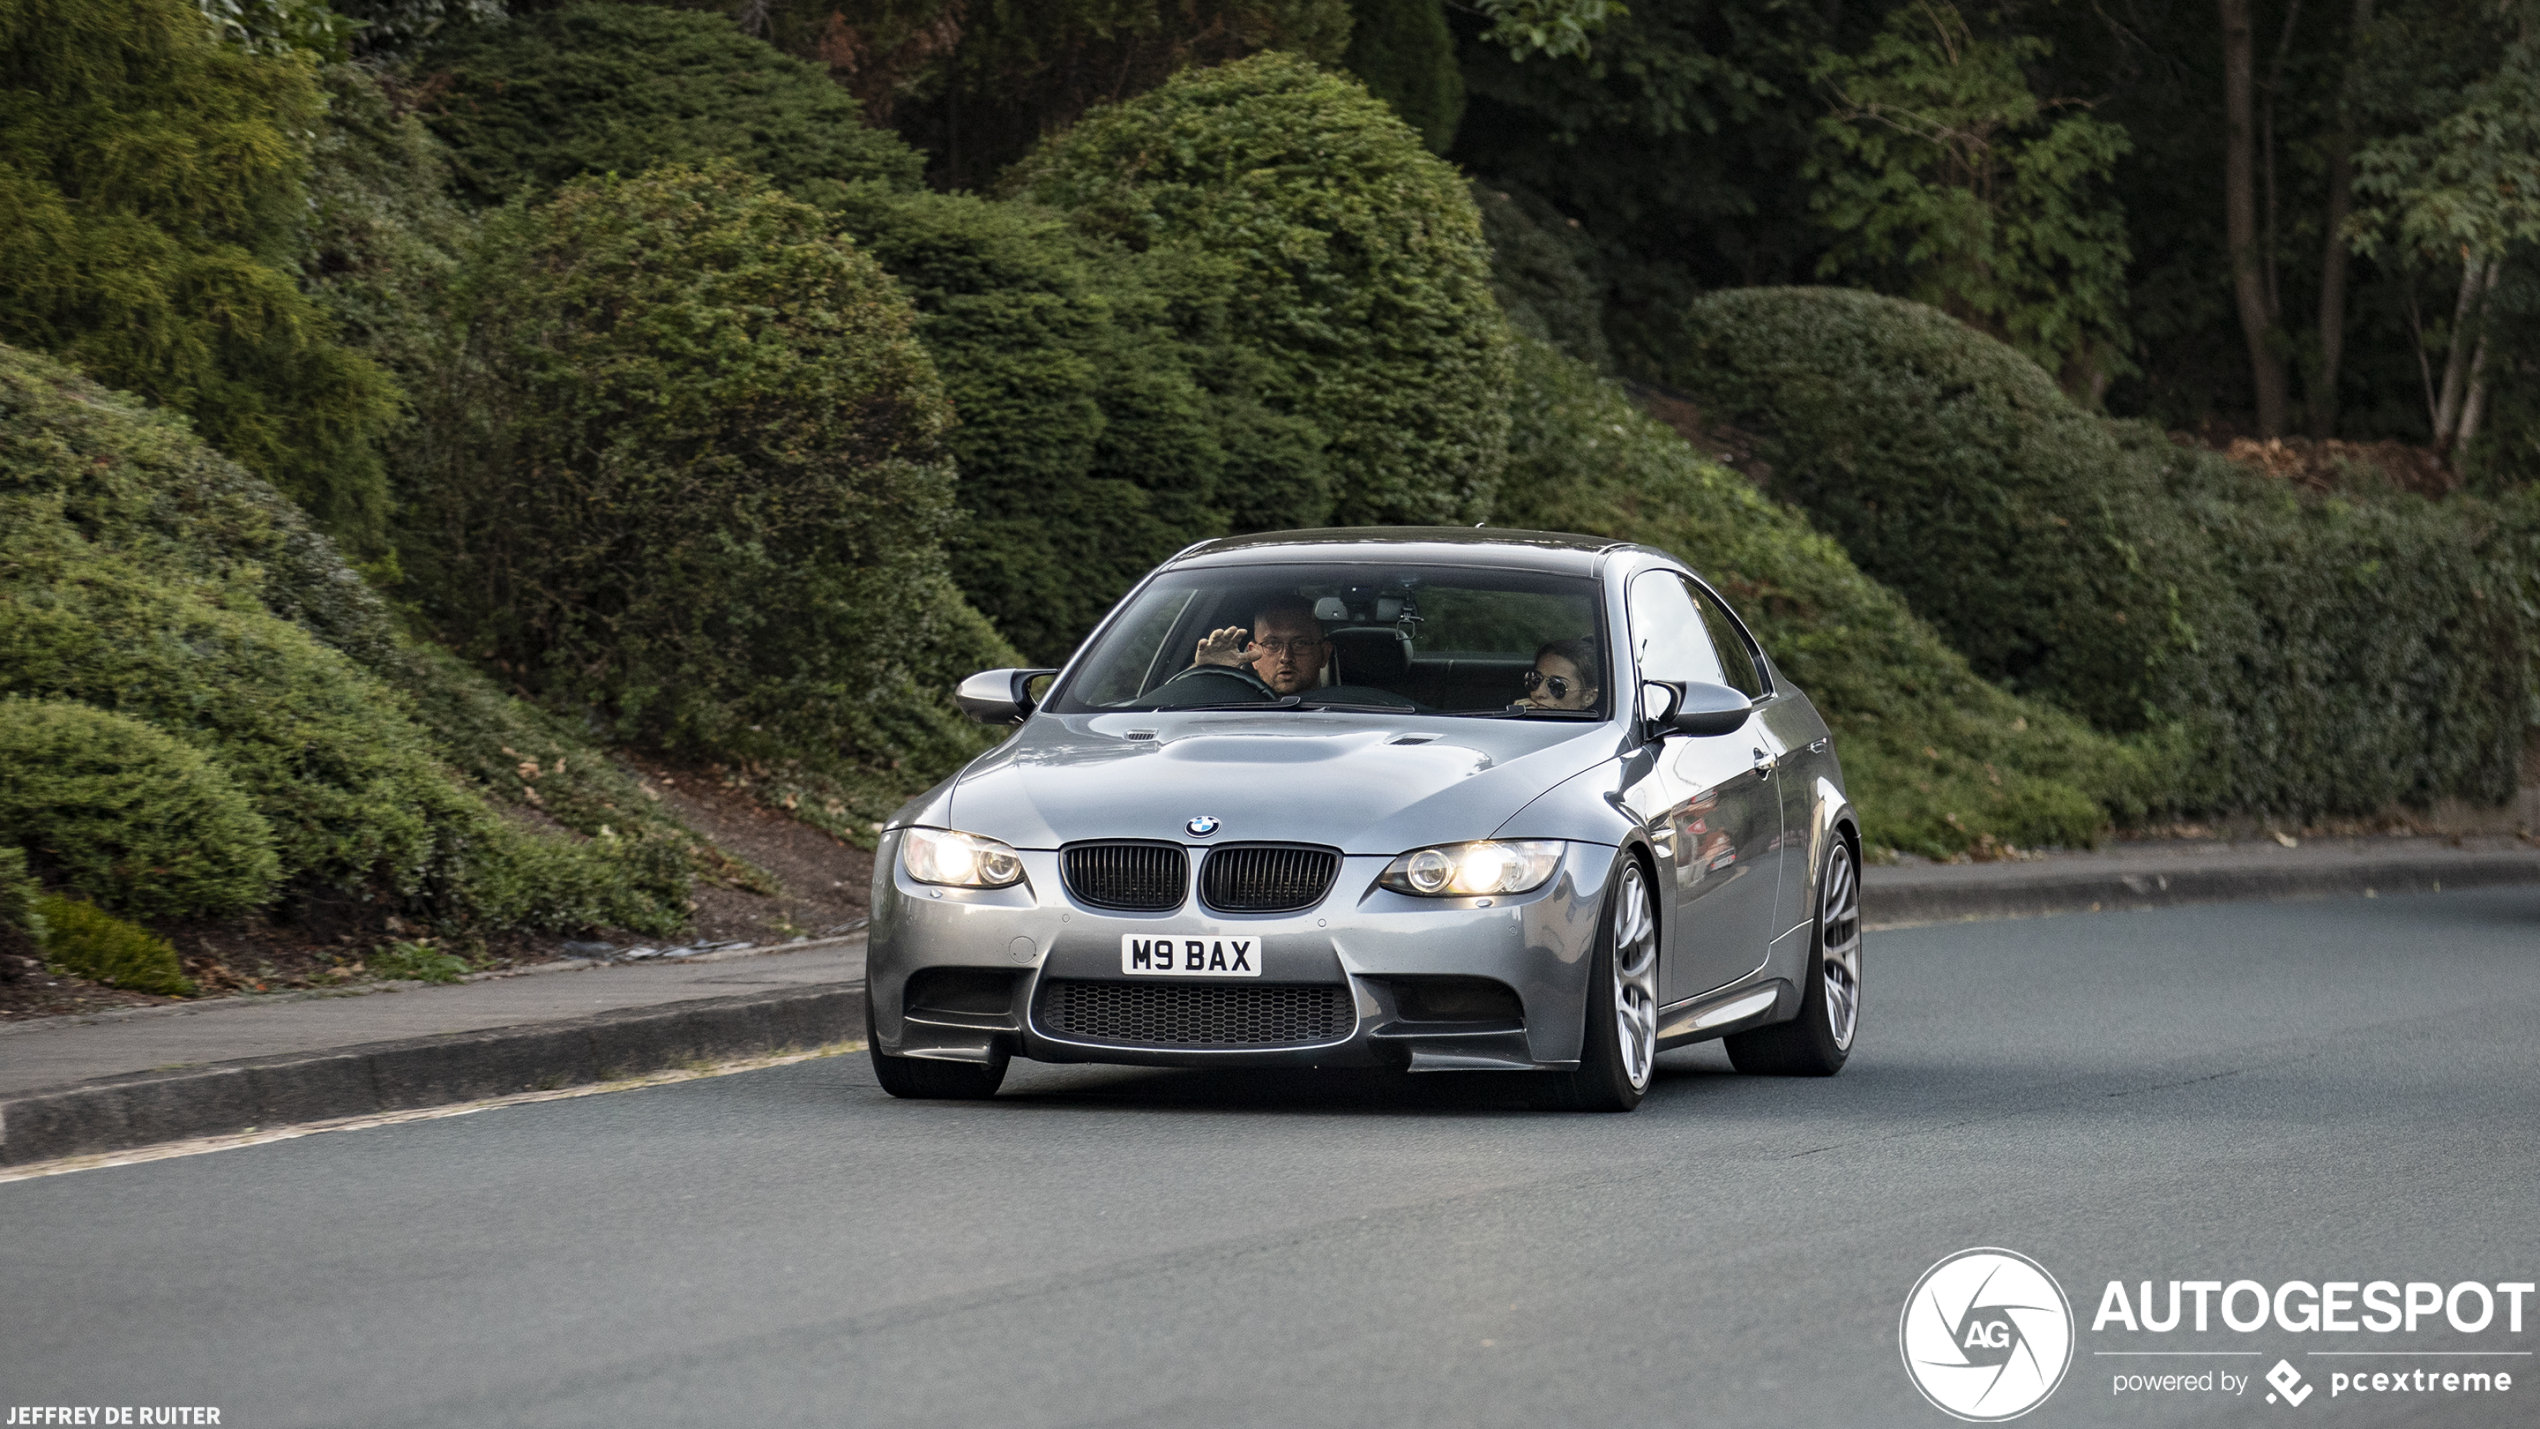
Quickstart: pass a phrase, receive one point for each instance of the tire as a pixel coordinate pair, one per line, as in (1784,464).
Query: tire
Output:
(1619,1056)
(927,1079)
(1817,1042)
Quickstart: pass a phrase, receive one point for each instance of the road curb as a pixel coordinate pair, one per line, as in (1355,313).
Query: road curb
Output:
(1903,897)
(146,1108)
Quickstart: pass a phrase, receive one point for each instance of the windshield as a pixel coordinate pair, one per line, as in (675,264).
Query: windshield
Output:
(1452,640)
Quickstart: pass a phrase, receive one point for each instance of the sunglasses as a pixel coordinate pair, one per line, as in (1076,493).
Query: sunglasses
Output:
(1560,685)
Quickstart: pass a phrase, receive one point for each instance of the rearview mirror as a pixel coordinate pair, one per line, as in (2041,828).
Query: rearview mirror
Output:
(1694,708)
(999,696)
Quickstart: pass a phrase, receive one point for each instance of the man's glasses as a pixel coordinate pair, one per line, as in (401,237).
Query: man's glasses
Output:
(1561,685)
(1302,645)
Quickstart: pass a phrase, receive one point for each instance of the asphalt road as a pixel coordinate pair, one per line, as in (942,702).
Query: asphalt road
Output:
(2317,1091)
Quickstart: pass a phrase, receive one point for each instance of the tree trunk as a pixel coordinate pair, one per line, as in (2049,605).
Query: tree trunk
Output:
(2341,203)
(2240,212)
(2464,384)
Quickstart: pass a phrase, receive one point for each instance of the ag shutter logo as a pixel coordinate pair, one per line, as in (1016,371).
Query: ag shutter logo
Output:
(1987,1335)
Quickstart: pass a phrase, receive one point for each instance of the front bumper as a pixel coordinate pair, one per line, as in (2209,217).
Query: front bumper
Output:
(1005,946)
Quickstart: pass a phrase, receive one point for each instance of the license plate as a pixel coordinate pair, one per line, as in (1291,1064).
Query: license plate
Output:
(1144,956)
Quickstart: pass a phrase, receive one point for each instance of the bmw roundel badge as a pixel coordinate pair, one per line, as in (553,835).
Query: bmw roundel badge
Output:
(1202,826)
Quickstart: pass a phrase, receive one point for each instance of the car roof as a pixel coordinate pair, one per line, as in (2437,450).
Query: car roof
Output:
(1418,545)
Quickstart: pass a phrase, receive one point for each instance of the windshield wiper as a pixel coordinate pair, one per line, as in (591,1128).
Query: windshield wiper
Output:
(1518,712)
(1360,709)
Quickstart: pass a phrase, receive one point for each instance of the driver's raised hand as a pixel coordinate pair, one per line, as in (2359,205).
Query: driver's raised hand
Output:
(1224,647)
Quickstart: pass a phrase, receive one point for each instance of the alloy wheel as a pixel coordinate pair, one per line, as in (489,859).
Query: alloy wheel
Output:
(1839,944)
(1635,976)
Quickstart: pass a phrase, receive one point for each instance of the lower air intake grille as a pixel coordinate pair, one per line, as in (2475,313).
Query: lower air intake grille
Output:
(1195,1015)
(1266,878)
(1135,877)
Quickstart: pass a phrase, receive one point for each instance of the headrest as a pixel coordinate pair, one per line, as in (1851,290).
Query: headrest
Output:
(1371,654)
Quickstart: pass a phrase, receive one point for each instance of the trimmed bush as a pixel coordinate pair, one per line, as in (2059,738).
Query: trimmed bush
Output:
(1939,761)
(21,927)
(1543,271)
(605,88)
(1358,270)
(131,818)
(695,479)
(142,575)
(1955,471)
(86,941)
(2299,655)
(150,204)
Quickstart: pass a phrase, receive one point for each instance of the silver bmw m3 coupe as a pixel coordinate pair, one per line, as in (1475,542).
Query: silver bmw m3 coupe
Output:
(1429,799)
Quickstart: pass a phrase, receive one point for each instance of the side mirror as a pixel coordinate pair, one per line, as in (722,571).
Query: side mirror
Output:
(1696,708)
(999,696)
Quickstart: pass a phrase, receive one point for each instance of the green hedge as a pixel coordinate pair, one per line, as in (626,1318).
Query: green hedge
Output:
(142,574)
(127,816)
(693,480)
(150,203)
(596,88)
(2294,654)
(1355,266)
(1938,760)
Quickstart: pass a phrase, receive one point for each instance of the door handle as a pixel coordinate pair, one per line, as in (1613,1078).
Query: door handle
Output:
(1765,764)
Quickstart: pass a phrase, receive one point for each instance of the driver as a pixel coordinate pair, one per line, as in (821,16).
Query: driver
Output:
(1286,650)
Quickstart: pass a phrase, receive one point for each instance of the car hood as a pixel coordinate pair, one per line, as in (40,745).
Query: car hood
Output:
(1366,784)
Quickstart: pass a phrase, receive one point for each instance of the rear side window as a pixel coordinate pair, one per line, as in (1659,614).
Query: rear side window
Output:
(1740,671)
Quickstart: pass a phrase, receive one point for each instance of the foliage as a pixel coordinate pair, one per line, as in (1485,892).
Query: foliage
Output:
(1557,28)
(695,479)
(1543,272)
(1405,55)
(418,961)
(1359,273)
(977,85)
(142,574)
(127,816)
(392,28)
(1939,761)
(21,927)
(2284,654)
(598,88)
(282,27)
(150,188)
(1946,179)
(1952,469)
(383,238)
(1088,449)
(84,940)
(2466,184)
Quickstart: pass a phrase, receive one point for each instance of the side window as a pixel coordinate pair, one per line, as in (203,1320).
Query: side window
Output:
(1668,638)
(1735,656)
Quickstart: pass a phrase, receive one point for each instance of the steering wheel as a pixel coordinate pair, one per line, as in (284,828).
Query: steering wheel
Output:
(1213,685)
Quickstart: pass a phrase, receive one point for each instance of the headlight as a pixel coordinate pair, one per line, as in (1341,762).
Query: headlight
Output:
(962,860)
(1467,870)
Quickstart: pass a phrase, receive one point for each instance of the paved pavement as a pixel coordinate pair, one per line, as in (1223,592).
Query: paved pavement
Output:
(2315,1091)
(41,1054)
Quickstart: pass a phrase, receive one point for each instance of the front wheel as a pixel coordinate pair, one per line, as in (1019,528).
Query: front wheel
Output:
(926,1079)
(1621,1050)
(1819,1039)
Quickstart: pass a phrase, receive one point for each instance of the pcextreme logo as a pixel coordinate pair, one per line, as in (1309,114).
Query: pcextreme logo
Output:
(1987,1335)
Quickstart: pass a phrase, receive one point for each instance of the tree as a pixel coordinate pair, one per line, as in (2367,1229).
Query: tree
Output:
(1945,179)
(150,201)
(2249,288)
(2462,190)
